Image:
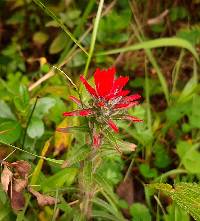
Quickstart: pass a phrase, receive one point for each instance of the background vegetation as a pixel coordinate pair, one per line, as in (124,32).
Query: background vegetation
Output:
(155,43)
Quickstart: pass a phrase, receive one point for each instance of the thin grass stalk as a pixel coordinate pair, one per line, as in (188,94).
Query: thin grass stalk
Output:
(176,71)
(94,35)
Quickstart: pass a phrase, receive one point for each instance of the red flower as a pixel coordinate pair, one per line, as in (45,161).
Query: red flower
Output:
(110,100)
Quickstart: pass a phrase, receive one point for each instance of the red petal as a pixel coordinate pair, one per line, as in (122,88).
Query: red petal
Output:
(89,88)
(132,98)
(84,112)
(76,100)
(104,80)
(117,87)
(123,93)
(125,105)
(96,140)
(120,94)
(113,126)
(120,83)
(132,118)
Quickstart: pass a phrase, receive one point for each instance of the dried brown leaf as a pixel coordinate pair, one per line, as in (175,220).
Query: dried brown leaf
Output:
(43,200)
(125,190)
(22,167)
(6,178)
(17,200)
(20,184)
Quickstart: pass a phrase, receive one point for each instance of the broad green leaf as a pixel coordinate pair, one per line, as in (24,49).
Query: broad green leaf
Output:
(12,131)
(118,22)
(5,111)
(162,159)
(194,118)
(178,12)
(21,101)
(147,172)
(43,106)
(45,67)
(161,186)
(185,195)
(190,156)
(35,128)
(112,169)
(176,213)
(177,111)
(55,114)
(139,212)
(77,61)
(58,44)
(40,37)
(4,212)
(63,177)
(157,43)
(188,90)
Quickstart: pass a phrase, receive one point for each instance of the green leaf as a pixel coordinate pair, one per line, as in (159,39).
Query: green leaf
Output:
(139,212)
(185,195)
(45,68)
(112,169)
(190,33)
(189,156)
(77,61)
(175,212)
(12,131)
(147,172)
(40,37)
(161,186)
(22,100)
(58,44)
(177,111)
(5,111)
(55,114)
(157,43)
(162,159)
(77,154)
(43,106)
(194,118)
(188,90)
(118,22)
(63,177)
(178,12)
(35,128)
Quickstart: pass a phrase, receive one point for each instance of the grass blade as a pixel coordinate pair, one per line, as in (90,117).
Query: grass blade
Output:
(94,35)
(157,43)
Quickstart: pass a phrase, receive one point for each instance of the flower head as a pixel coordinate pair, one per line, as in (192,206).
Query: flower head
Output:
(109,100)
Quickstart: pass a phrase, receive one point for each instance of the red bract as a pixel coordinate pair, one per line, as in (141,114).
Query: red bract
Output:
(110,100)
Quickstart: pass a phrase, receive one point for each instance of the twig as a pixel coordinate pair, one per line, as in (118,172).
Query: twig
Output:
(158,19)
(74,202)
